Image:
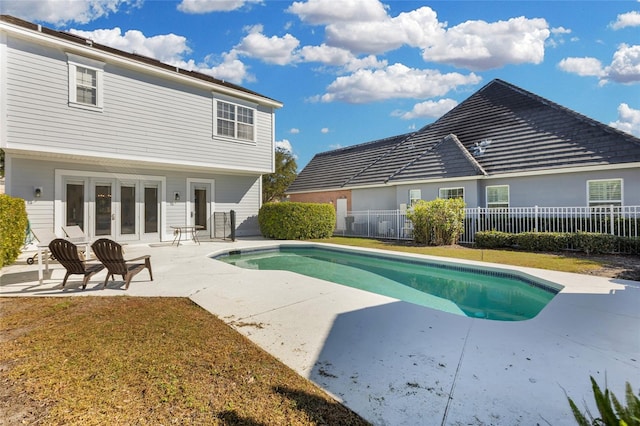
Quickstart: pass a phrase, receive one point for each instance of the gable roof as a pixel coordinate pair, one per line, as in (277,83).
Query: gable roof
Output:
(500,129)
(97,48)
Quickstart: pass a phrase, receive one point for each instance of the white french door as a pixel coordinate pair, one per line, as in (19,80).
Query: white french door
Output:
(104,216)
(123,209)
(200,203)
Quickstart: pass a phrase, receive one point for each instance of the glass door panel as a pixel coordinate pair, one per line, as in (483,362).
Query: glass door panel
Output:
(127,210)
(200,208)
(75,205)
(103,209)
(150,210)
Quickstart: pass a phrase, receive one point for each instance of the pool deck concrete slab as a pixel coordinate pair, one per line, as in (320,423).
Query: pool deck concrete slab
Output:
(393,362)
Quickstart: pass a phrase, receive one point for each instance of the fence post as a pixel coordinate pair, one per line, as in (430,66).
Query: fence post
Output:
(368,223)
(536,229)
(611,218)
(232,215)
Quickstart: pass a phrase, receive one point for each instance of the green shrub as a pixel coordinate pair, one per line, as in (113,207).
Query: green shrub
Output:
(296,221)
(437,222)
(629,245)
(493,239)
(541,241)
(612,412)
(13,226)
(588,242)
(592,243)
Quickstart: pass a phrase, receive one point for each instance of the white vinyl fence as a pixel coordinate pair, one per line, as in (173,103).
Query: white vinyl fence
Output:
(394,224)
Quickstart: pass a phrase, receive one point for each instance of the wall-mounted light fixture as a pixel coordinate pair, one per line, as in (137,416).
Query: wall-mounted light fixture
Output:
(176,196)
(37,191)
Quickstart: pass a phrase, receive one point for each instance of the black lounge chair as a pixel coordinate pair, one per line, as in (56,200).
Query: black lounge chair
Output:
(110,254)
(71,258)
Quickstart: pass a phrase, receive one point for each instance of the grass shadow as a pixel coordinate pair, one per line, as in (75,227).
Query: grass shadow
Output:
(318,410)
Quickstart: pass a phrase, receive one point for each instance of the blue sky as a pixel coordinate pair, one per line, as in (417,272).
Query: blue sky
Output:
(352,71)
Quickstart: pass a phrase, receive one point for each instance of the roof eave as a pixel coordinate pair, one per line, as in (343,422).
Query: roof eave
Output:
(111,55)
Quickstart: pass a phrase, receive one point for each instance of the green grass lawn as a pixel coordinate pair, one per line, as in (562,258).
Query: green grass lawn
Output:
(556,262)
(144,361)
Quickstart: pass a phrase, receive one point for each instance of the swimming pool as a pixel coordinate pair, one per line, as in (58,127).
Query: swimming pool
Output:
(486,293)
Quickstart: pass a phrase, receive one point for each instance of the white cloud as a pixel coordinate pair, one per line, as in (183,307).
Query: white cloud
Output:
(428,109)
(294,131)
(364,27)
(557,36)
(207,6)
(582,66)
(327,55)
(629,19)
(60,12)
(229,69)
(395,81)
(274,50)
(327,11)
(417,28)
(478,45)
(167,48)
(285,145)
(324,130)
(628,120)
(171,49)
(624,68)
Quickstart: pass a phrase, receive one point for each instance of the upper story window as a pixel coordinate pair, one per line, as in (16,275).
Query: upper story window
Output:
(447,193)
(234,121)
(414,196)
(604,192)
(85,82)
(497,196)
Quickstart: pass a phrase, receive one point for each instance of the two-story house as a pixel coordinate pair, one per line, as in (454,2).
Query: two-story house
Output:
(123,145)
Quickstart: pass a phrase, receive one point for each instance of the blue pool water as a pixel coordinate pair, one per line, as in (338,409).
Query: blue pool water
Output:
(463,290)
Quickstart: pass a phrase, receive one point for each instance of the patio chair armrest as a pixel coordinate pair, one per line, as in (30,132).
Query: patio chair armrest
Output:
(146,256)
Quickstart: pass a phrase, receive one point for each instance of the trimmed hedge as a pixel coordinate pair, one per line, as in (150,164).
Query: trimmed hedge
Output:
(296,221)
(13,227)
(494,239)
(588,242)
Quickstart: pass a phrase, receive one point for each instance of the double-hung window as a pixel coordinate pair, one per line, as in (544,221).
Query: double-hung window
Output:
(234,121)
(498,196)
(85,82)
(604,192)
(446,193)
(414,196)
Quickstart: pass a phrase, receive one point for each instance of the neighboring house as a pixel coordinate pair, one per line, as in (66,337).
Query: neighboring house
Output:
(124,145)
(501,147)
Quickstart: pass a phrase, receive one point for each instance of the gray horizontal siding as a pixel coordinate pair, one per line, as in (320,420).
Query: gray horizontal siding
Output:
(144,117)
(231,192)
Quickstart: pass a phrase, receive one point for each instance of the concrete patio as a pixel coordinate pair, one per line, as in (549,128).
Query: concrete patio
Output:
(393,362)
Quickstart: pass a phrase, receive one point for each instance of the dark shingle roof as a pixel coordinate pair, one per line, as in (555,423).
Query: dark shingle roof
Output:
(521,132)
(336,168)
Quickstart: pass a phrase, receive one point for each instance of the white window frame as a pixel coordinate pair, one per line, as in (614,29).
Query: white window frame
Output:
(75,62)
(497,204)
(607,201)
(236,104)
(441,191)
(414,196)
